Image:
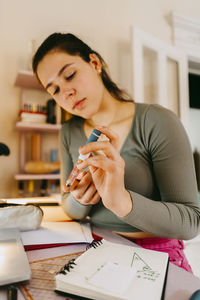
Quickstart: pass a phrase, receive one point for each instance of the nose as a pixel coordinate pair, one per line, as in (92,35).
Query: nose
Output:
(69,93)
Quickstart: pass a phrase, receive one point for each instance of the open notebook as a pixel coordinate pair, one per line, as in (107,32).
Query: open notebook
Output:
(113,271)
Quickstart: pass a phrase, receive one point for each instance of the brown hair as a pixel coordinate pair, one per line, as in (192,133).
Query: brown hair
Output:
(74,46)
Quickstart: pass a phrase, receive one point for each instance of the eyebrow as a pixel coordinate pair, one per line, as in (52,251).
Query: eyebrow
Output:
(59,74)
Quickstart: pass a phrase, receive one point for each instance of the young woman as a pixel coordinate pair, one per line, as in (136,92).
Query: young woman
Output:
(141,181)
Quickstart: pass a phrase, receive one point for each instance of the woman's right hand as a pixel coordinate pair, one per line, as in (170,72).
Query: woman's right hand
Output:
(83,189)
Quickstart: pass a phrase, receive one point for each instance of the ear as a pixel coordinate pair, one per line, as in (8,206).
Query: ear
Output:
(95,62)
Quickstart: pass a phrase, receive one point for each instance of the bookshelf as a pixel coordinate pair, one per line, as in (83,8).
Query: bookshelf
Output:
(27,80)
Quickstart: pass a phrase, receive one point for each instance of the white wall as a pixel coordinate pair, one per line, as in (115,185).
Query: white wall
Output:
(104,24)
(194,128)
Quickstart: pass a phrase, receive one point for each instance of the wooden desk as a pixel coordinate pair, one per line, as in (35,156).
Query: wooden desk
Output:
(180,284)
(54,214)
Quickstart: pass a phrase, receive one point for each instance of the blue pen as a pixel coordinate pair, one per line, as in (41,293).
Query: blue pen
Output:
(75,171)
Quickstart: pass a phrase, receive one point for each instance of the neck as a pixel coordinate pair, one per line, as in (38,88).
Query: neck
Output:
(107,113)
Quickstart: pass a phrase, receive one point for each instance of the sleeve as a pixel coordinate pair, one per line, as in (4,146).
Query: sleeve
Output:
(70,205)
(177,215)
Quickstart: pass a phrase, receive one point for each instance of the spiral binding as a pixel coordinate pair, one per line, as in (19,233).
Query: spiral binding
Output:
(70,265)
(66,268)
(95,243)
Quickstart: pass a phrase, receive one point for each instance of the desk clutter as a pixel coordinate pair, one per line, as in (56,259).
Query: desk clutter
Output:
(106,270)
(109,269)
(46,264)
(14,266)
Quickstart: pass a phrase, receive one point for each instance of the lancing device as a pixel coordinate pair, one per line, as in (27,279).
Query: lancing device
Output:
(75,171)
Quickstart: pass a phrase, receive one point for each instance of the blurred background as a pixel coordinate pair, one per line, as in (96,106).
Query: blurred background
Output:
(135,37)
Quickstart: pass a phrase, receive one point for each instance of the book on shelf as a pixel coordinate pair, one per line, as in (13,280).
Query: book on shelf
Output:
(109,270)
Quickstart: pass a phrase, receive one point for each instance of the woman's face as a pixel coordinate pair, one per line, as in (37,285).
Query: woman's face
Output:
(74,84)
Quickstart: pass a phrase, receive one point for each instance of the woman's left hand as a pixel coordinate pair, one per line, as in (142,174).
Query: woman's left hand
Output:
(107,171)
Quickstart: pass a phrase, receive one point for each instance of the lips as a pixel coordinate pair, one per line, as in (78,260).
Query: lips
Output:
(78,104)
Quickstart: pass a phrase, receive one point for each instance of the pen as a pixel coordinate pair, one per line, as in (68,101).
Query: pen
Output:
(30,203)
(12,293)
(9,204)
(75,171)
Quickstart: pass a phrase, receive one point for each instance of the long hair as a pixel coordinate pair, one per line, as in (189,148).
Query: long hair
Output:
(72,45)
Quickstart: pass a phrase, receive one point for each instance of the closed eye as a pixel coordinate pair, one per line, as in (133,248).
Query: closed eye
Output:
(68,78)
(56,91)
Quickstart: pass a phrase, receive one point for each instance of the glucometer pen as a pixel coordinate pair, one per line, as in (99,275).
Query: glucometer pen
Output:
(75,171)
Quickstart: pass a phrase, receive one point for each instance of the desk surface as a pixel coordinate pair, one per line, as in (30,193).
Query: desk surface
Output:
(54,214)
(180,284)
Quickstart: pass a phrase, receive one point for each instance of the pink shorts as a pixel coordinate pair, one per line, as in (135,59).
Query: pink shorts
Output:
(171,246)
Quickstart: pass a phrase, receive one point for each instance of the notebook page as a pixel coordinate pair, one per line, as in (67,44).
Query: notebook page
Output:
(149,268)
(112,277)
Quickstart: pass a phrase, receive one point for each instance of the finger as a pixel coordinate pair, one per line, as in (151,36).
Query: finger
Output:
(89,194)
(81,175)
(75,182)
(99,161)
(96,198)
(67,189)
(113,136)
(93,169)
(104,146)
(82,186)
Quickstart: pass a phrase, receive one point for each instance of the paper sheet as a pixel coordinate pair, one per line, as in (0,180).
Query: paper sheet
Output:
(57,233)
(112,277)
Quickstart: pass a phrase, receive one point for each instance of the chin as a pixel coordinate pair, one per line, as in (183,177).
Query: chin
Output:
(86,115)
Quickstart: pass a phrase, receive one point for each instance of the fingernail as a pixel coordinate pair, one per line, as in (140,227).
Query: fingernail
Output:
(79,166)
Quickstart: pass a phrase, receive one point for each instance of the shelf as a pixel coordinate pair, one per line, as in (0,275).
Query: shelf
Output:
(37,176)
(24,126)
(26,79)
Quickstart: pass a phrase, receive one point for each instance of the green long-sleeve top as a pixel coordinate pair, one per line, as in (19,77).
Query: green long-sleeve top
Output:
(159,175)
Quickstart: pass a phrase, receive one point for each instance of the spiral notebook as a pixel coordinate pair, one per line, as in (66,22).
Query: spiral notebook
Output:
(113,271)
